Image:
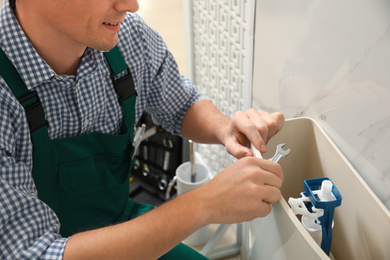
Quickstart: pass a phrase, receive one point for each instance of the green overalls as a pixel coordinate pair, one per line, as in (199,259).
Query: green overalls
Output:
(85,179)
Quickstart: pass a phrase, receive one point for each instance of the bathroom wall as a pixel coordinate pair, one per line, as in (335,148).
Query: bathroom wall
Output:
(329,60)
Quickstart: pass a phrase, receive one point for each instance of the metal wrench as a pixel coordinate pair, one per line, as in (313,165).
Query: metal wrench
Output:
(280,153)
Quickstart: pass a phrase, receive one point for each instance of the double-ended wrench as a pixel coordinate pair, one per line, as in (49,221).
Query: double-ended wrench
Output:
(280,153)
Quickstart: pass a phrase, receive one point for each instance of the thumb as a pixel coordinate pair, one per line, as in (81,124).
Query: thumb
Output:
(239,151)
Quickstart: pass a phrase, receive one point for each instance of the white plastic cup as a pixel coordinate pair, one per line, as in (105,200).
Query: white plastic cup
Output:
(184,184)
(183,174)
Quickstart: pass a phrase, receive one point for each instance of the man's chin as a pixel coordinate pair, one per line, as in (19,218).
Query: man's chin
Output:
(105,46)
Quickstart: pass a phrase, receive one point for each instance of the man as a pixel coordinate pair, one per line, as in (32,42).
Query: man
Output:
(66,138)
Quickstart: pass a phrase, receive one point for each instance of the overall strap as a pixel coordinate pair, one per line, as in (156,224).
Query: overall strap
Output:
(29,100)
(124,86)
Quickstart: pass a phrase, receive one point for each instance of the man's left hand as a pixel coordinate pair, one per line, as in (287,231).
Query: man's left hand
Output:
(252,126)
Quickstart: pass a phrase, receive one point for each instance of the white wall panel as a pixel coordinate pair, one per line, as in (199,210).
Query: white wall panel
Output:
(220,33)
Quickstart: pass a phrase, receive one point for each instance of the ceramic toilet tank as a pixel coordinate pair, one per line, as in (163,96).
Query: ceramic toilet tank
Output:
(361,223)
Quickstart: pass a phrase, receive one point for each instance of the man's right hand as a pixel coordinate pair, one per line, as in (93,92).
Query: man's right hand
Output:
(241,192)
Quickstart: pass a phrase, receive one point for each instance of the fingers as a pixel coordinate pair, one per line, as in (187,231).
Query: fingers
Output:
(267,126)
(274,169)
(242,191)
(259,135)
(237,143)
(279,118)
(268,178)
(274,123)
(265,209)
(256,127)
(271,194)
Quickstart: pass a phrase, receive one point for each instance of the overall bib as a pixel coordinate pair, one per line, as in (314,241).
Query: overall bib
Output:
(85,179)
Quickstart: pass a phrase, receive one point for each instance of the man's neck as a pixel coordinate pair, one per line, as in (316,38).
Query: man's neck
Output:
(62,57)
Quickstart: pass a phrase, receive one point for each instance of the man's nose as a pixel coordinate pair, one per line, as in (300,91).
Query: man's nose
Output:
(127,5)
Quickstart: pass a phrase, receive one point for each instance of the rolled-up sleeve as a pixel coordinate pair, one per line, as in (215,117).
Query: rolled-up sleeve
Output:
(28,227)
(171,96)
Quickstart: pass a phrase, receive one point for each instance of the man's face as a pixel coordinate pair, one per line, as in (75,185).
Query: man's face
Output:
(92,23)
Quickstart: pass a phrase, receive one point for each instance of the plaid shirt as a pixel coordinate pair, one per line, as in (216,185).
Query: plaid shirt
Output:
(73,105)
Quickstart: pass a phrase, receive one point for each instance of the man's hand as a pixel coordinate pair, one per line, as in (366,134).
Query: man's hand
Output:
(253,126)
(204,123)
(241,192)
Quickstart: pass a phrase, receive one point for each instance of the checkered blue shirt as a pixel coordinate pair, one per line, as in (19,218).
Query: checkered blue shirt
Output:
(73,105)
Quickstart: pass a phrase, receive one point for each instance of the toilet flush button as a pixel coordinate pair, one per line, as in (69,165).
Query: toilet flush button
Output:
(326,191)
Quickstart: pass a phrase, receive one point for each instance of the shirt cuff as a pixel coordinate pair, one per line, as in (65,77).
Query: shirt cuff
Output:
(55,250)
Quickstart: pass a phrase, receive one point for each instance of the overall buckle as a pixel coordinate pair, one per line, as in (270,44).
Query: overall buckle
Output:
(34,110)
(124,86)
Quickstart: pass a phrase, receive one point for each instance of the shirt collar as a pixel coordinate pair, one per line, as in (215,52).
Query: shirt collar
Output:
(31,67)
